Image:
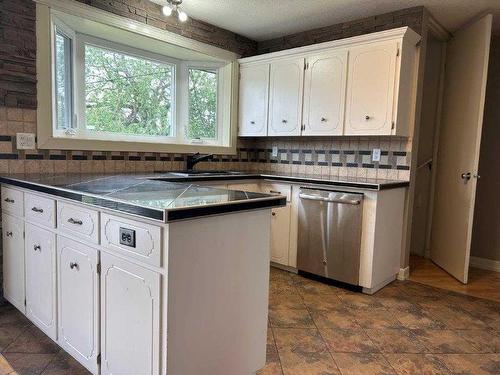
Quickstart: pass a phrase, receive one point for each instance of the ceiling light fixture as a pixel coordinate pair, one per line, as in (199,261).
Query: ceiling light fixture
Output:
(173,7)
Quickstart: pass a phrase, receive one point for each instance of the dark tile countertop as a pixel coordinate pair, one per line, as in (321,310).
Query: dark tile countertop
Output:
(171,196)
(354,182)
(165,201)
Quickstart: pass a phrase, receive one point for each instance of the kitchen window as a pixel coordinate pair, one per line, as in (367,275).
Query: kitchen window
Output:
(111,88)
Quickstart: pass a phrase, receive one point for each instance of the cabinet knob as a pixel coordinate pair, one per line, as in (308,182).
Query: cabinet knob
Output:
(73,265)
(9,234)
(284,121)
(273,213)
(466,176)
(36,209)
(37,248)
(367,117)
(75,221)
(252,122)
(323,119)
(8,200)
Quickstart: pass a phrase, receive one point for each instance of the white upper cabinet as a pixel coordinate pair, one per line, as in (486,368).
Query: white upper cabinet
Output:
(370,89)
(324,93)
(253,100)
(362,85)
(285,98)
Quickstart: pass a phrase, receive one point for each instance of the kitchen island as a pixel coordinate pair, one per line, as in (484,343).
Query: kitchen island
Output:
(137,276)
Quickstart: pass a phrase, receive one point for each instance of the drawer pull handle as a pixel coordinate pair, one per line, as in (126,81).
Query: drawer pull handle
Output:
(274,192)
(37,248)
(8,200)
(73,265)
(36,209)
(74,221)
(9,234)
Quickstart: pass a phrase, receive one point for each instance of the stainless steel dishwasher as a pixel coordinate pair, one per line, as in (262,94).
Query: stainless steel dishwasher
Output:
(329,238)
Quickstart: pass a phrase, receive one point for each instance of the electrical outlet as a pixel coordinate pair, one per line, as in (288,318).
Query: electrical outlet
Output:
(275,151)
(25,141)
(376,154)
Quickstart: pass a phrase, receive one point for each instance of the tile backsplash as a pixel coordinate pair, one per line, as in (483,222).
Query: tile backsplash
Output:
(329,157)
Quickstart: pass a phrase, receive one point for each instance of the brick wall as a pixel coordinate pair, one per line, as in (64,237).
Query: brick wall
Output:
(411,17)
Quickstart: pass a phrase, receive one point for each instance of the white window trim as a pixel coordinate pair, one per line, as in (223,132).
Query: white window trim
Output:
(228,82)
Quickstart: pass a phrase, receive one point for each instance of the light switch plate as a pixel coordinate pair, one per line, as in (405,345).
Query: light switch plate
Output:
(275,151)
(376,154)
(25,141)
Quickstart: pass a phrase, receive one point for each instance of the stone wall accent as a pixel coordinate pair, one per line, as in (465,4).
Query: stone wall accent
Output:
(412,17)
(17,54)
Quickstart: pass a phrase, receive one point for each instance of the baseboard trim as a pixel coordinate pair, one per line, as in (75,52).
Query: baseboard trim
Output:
(404,273)
(485,264)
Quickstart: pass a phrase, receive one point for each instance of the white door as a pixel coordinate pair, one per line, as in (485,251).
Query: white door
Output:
(130,318)
(324,93)
(285,97)
(280,234)
(370,89)
(13,261)
(253,100)
(467,56)
(78,291)
(40,252)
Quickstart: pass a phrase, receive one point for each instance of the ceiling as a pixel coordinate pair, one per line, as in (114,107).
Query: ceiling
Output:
(267,19)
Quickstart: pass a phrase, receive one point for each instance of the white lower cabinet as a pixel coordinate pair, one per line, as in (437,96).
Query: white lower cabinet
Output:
(13,260)
(78,302)
(130,318)
(280,234)
(40,252)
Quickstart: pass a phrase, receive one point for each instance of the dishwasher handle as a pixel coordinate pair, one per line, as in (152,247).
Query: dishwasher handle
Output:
(322,199)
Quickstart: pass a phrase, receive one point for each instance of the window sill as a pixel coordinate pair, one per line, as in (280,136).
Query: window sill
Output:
(131,146)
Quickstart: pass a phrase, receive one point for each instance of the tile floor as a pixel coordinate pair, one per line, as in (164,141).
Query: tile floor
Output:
(316,329)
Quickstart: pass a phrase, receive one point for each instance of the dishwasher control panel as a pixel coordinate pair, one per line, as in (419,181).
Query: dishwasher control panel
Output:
(127,237)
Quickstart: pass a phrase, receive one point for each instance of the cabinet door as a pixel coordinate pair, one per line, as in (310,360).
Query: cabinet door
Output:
(285,98)
(370,89)
(13,260)
(78,302)
(253,100)
(280,234)
(324,93)
(40,255)
(130,318)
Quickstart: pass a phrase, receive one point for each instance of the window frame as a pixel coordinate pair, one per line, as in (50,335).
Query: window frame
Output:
(51,137)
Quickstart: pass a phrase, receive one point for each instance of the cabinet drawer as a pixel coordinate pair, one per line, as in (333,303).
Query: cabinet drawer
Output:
(144,240)
(40,210)
(78,221)
(12,201)
(282,189)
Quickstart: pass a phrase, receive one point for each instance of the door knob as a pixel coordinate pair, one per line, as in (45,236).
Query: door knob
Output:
(466,176)
(73,265)
(8,234)
(37,248)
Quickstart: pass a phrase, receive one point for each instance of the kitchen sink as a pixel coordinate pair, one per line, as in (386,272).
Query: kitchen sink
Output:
(203,173)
